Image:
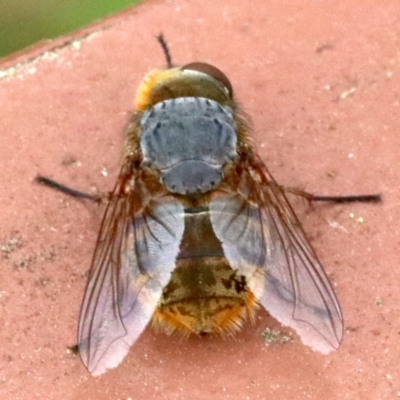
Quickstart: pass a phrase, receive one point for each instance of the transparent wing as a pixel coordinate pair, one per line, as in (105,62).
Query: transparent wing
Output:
(263,239)
(134,257)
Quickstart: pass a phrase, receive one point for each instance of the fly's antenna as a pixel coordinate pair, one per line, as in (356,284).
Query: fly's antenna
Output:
(165,49)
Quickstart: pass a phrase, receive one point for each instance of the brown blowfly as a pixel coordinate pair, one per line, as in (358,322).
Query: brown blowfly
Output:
(197,234)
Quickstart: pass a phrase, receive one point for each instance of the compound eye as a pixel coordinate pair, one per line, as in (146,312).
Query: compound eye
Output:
(211,71)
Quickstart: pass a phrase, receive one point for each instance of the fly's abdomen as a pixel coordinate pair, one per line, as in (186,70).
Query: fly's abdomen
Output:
(188,140)
(204,295)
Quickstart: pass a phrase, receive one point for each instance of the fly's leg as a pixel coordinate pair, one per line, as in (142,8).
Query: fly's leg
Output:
(363,198)
(67,190)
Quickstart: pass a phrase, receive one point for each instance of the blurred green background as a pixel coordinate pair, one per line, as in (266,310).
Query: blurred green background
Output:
(23,22)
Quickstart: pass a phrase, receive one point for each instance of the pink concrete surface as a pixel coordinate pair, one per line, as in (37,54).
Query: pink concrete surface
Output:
(321,81)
